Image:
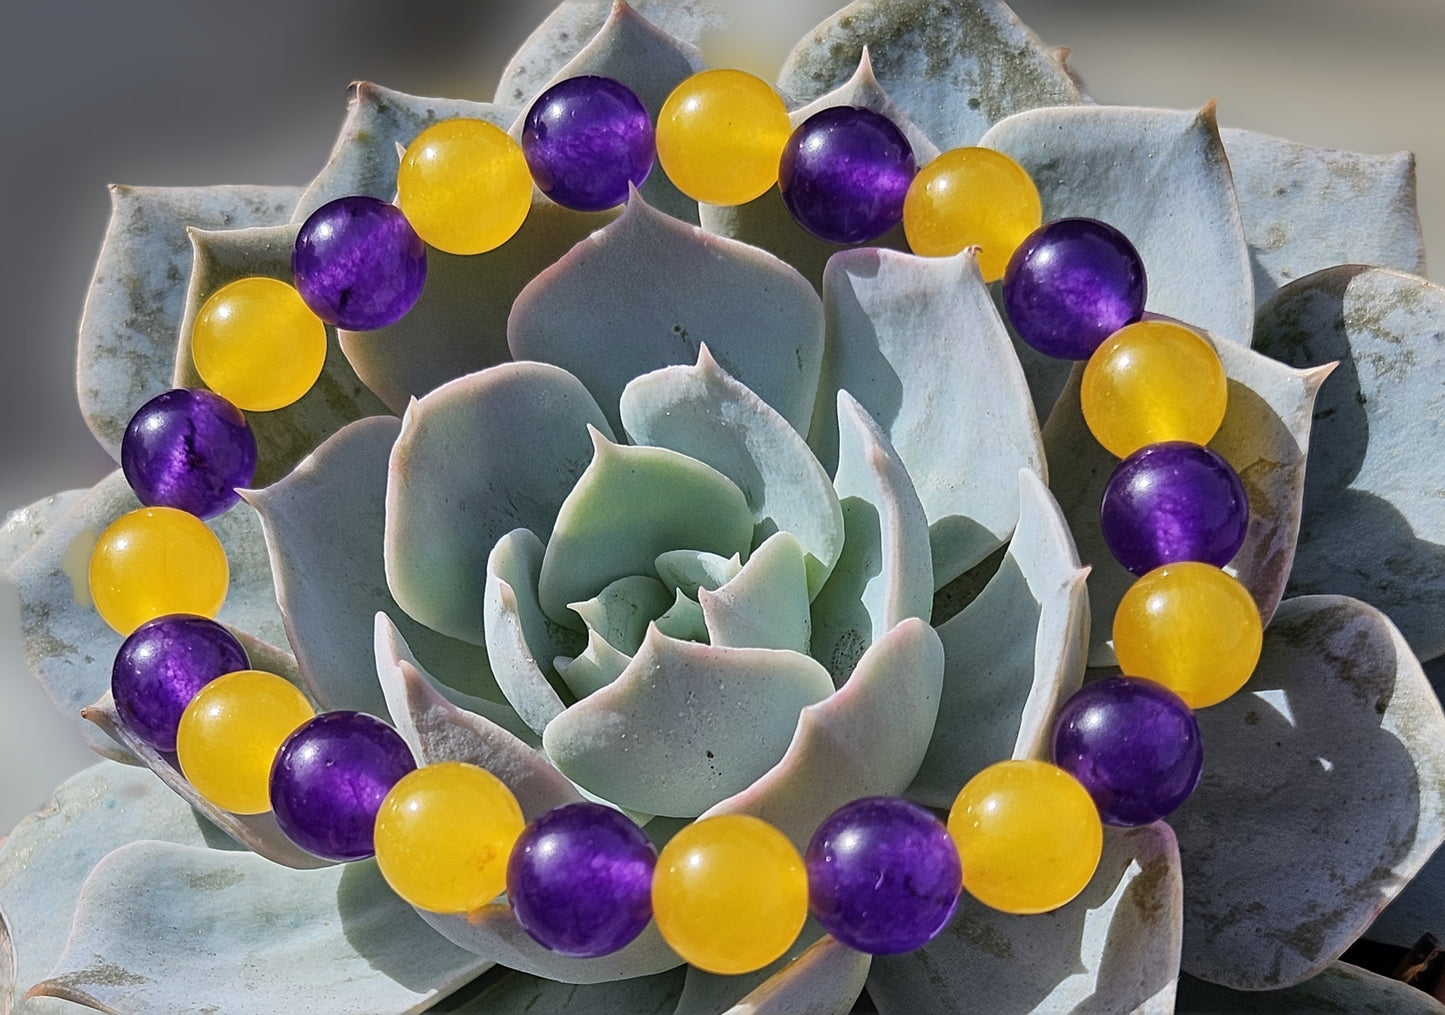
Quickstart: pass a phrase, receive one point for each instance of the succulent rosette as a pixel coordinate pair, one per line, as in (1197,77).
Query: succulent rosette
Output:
(680,508)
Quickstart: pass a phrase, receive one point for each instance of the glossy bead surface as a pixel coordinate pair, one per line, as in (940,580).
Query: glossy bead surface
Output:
(443,834)
(580,880)
(719,136)
(329,779)
(257,344)
(729,893)
(1192,628)
(464,186)
(1071,284)
(586,139)
(155,561)
(188,450)
(1173,501)
(229,735)
(1151,382)
(844,174)
(1133,744)
(161,667)
(1028,835)
(358,263)
(883,875)
(972,197)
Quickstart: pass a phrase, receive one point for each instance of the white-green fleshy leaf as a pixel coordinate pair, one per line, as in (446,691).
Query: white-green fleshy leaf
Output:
(477,458)
(1115,948)
(1323,793)
(1160,177)
(1340,988)
(825,978)
(702,412)
(133,311)
(513,993)
(687,571)
(683,620)
(24,526)
(604,313)
(621,612)
(1012,656)
(596,666)
(766,604)
(149,937)
(1374,499)
(918,342)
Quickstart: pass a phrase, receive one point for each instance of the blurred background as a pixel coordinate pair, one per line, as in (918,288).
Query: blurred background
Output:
(188,92)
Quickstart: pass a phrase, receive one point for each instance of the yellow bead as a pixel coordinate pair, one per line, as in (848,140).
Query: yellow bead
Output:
(154,561)
(444,834)
(230,733)
(257,345)
(729,893)
(1150,382)
(1190,627)
(464,186)
(720,135)
(972,197)
(1028,834)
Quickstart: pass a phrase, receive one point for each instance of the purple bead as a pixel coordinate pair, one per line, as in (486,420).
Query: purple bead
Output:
(1170,502)
(1071,284)
(580,880)
(358,264)
(883,875)
(329,778)
(844,173)
(585,140)
(161,666)
(1134,745)
(189,450)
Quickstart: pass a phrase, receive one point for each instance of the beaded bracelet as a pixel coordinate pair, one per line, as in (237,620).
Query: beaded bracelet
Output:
(729,893)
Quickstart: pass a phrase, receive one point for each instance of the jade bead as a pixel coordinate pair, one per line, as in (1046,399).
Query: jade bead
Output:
(464,186)
(972,197)
(1190,627)
(257,344)
(1150,382)
(719,136)
(155,561)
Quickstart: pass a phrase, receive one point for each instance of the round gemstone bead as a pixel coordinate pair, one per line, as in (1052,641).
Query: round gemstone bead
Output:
(1133,744)
(358,263)
(730,893)
(580,880)
(883,875)
(443,834)
(1028,835)
(1192,628)
(844,174)
(229,735)
(464,186)
(189,450)
(586,140)
(719,136)
(329,779)
(155,561)
(257,344)
(161,667)
(1151,382)
(1071,284)
(972,197)
(1174,501)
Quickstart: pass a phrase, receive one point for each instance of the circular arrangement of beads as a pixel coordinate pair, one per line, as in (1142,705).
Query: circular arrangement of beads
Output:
(729,893)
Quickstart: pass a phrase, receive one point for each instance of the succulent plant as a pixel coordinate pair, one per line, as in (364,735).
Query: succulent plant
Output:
(781,533)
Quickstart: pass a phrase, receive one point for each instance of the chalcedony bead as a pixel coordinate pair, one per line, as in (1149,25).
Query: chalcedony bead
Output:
(154,561)
(972,197)
(464,186)
(720,135)
(257,344)
(162,665)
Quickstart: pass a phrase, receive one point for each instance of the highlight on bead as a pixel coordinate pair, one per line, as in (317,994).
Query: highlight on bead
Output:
(972,197)
(1192,628)
(464,186)
(730,893)
(154,561)
(188,449)
(257,345)
(1150,382)
(720,135)
(358,263)
(229,735)
(161,667)
(1028,835)
(844,173)
(443,834)
(586,140)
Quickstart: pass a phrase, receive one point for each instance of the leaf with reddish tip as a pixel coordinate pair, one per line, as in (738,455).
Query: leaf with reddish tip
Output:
(1339,988)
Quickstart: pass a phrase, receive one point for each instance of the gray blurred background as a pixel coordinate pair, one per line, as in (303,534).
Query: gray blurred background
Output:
(184,93)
